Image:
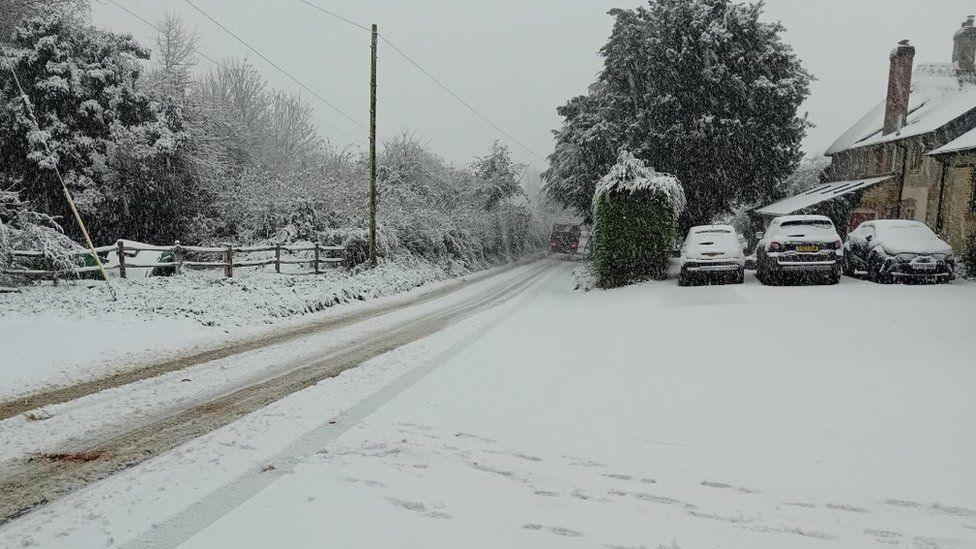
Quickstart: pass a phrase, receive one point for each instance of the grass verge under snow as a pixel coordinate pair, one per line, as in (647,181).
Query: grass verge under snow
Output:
(55,335)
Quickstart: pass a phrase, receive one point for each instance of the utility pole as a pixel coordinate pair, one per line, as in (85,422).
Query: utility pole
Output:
(372,150)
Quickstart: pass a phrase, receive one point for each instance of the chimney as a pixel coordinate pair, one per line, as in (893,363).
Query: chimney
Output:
(964,47)
(899,87)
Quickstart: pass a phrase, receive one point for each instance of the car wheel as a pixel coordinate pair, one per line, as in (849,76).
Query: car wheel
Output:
(740,276)
(683,279)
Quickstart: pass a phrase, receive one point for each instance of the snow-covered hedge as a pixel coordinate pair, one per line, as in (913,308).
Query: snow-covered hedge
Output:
(636,213)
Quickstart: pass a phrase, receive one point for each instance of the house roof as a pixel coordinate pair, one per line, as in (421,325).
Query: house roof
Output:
(817,194)
(938,96)
(964,142)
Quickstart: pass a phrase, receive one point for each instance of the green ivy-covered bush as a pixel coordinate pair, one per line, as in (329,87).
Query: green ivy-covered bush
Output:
(635,220)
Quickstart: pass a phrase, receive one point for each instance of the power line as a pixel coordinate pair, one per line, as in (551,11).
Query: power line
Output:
(276,66)
(333,14)
(153,26)
(444,87)
(460,100)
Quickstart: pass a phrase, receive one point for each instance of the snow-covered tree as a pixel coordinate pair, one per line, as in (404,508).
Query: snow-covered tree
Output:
(703,89)
(22,228)
(497,176)
(12,12)
(114,147)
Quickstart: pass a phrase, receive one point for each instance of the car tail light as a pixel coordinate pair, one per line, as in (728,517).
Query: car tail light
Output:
(774,246)
(553,243)
(573,245)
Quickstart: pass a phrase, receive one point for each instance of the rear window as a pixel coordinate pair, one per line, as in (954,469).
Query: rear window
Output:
(807,223)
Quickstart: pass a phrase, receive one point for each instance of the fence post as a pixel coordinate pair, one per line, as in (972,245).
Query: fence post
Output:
(278,258)
(177,257)
(121,251)
(229,261)
(317,271)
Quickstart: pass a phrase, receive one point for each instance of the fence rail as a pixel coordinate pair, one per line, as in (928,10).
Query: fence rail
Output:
(229,258)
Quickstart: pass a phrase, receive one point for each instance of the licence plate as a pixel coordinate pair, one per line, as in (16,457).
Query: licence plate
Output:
(807,248)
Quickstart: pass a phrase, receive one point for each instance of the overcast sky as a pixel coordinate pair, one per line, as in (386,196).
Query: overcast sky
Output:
(517,60)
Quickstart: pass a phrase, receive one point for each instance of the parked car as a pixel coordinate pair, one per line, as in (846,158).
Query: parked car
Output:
(801,246)
(711,252)
(898,249)
(565,238)
(726,229)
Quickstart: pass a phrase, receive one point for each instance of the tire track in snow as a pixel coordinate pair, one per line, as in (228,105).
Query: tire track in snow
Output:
(36,482)
(16,406)
(181,527)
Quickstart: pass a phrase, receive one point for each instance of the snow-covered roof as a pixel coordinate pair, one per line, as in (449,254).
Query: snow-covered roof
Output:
(817,194)
(964,142)
(938,96)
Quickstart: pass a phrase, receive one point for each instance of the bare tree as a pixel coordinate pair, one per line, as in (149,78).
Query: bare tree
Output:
(175,57)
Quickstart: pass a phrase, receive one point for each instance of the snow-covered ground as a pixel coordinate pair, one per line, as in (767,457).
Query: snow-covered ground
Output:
(55,335)
(648,416)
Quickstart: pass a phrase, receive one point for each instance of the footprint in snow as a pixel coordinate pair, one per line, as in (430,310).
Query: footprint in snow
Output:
(848,508)
(724,486)
(952,511)
(884,536)
(419,508)
(558,530)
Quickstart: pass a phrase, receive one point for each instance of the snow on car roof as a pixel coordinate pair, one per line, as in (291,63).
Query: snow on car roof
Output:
(938,96)
(817,194)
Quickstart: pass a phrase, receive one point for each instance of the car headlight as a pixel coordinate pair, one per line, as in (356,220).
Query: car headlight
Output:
(941,257)
(905,257)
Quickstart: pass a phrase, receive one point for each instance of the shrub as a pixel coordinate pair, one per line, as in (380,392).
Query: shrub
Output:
(636,213)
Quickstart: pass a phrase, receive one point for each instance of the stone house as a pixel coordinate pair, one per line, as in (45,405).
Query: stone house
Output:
(909,157)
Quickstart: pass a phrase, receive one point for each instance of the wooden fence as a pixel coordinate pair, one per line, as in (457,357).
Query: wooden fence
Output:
(228,258)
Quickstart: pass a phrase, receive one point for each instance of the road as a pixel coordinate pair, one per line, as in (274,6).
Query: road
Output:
(522,413)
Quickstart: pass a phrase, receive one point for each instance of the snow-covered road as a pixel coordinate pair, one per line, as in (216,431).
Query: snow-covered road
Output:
(649,416)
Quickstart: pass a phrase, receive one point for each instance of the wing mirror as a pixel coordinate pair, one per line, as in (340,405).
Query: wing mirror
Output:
(869,238)
(760,235)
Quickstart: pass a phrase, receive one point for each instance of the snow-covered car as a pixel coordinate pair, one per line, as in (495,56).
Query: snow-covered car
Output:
(898,249)
(804,245)
(711,252)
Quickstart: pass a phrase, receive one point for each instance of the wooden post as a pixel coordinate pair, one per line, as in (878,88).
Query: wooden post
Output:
(121,252)
(372,150)
(278,258)
(177,257)
(317,271)
(229,261)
